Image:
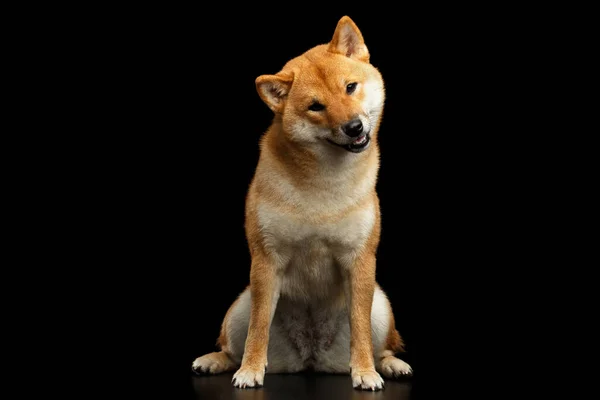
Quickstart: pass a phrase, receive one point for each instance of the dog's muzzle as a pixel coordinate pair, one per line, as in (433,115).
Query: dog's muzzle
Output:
(355,130)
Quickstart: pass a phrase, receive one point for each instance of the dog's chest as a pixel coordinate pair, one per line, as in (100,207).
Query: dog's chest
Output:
(310,249)
(306,235)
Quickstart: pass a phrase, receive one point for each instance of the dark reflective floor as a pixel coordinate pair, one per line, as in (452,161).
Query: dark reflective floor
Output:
(297,387)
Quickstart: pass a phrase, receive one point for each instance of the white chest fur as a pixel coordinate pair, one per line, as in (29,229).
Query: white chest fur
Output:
(284,230)
(311,250)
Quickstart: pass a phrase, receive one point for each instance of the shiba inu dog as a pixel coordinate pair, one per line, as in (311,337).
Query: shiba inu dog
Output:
(313,227)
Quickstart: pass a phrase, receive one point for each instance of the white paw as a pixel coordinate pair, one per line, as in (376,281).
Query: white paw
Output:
(367,380)
(209,364)
(248,377)
(393,367)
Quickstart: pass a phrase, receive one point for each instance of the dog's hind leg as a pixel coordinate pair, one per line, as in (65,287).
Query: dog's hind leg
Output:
(392,367)
(214,363)
(386,340)
(228,358)
(281,356)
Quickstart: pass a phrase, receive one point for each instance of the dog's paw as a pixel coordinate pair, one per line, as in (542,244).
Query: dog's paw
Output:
(392,367)
(247,377)
(366,380)
(213,363)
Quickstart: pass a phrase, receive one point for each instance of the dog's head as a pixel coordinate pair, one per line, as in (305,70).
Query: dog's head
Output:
(329,96)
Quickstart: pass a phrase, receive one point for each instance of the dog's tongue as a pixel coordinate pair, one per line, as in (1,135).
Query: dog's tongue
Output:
(360,140)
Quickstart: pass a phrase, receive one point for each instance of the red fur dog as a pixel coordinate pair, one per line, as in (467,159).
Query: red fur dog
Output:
(313,226)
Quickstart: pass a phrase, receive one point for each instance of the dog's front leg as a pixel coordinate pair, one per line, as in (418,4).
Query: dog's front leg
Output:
(264,289)
(359,289)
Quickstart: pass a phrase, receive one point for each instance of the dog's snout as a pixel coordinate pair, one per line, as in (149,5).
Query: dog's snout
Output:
(353,128)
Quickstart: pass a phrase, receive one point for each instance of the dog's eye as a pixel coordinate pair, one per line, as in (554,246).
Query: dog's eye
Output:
(316,106)
(351,87)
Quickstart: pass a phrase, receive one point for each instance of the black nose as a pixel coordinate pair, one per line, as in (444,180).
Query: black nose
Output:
(353,128)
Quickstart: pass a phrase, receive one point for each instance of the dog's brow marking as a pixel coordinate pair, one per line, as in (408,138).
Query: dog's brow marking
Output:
(321,72)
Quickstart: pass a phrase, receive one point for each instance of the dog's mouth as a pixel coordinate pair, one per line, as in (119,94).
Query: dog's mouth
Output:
(357,145)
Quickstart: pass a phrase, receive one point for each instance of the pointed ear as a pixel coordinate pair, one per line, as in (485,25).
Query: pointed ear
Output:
(348,40)
(273,89)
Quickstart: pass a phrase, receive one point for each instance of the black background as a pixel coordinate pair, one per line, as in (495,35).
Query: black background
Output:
(180,124)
